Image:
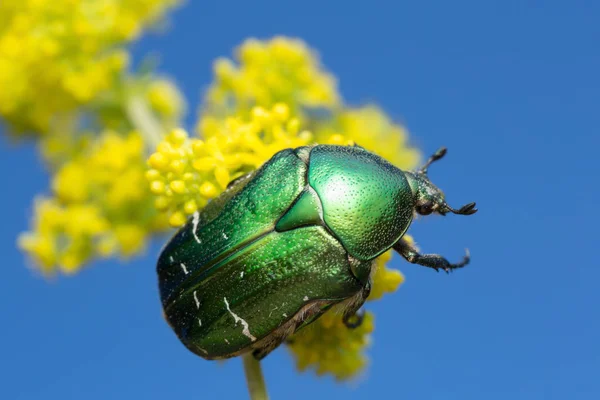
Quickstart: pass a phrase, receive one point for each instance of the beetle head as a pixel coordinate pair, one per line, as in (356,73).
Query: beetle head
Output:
(428,197)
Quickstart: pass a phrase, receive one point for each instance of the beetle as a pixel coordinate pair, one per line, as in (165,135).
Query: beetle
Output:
(284,243)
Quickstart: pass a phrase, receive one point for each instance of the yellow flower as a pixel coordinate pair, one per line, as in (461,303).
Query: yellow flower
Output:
(278,70)
(101,207)
(166,100)
(63,237)
(63,145)
(288,71)
(57,55)
(370,128)
(329,347)
(185,173)
(385,280)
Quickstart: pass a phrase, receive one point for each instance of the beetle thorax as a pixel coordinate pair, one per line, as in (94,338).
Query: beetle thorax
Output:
(367,202)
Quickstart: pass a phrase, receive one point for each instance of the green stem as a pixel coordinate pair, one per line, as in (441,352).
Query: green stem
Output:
(144,121)
(254,378)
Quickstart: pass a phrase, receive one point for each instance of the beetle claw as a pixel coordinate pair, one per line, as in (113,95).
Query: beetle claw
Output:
(353,321)
(466,259)
(467,209)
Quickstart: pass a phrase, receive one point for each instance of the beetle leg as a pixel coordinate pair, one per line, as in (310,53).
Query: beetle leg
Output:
(353,315)
(435,261)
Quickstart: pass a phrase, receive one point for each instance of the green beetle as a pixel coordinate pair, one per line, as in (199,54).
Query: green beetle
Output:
(288,241)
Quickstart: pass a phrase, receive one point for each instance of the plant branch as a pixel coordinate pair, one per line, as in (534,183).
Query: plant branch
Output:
(254,378)
(143,120)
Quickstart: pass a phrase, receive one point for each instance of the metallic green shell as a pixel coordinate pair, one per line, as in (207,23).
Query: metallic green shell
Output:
(232,223)
(258,288)
(367,202)
(272,244)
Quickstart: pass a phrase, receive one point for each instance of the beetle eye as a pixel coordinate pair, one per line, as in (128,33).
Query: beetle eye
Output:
(424,209)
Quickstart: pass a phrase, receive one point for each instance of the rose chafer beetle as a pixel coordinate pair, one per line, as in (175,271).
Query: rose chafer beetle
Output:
(286,242)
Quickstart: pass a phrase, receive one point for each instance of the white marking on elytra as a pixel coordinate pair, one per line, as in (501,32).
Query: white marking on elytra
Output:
(242,274)
(196,300)
(171,258)
(246,330)
(305,298)
(226,341)
(199,322)
(284,314)
(225,236)
(195,221)
(276,308)
(185,271)
(202,350)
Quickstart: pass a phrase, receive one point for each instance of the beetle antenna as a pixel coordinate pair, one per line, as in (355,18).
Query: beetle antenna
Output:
(436,156)
(467,209)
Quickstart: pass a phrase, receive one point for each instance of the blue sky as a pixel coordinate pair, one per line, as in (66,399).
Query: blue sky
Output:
(511,88)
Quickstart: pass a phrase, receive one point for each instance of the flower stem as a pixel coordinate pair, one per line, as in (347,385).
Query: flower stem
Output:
(254,378)
(144,121)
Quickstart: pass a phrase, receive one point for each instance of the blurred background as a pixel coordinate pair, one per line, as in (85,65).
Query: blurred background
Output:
(511,88)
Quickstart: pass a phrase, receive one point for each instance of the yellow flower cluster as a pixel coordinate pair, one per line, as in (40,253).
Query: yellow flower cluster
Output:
(370,128)
(56,58)
(64,237)
(286,70)
(185,173)
(165,100)
(385,280)
(329,347)
(101,207)
(278,70)
(57,55)
(62,146)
